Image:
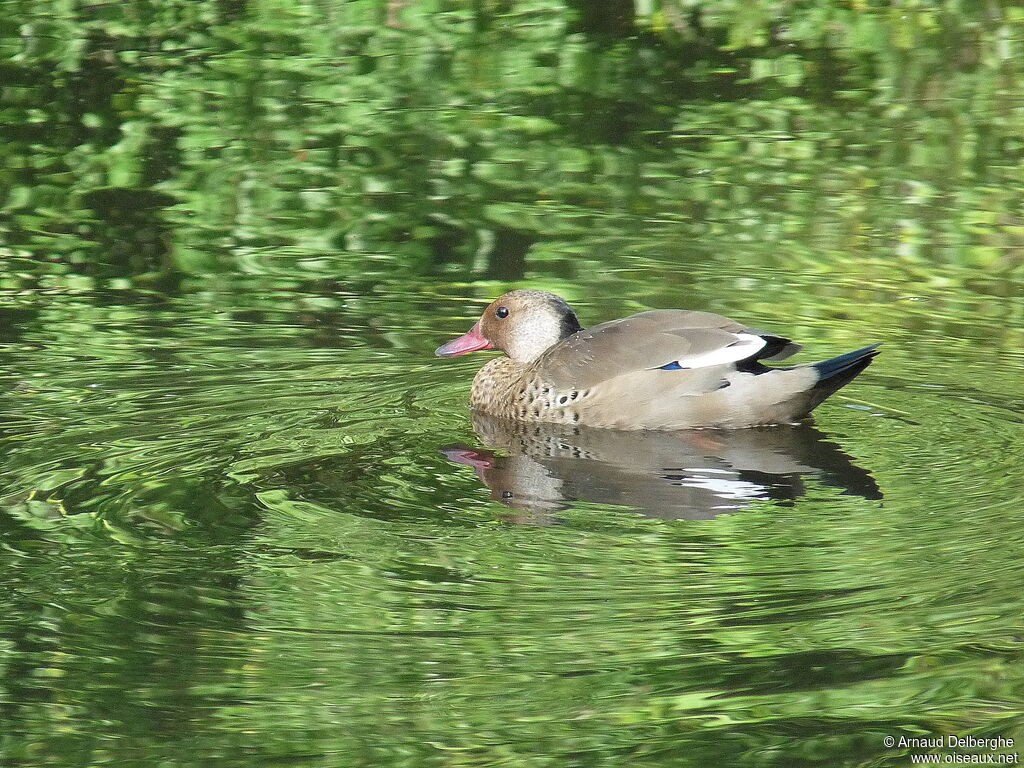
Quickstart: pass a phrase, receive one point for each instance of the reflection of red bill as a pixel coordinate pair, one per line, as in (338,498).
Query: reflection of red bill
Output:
(478,460)
(468,342)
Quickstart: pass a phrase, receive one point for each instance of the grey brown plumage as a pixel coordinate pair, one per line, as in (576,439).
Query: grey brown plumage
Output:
(662,369)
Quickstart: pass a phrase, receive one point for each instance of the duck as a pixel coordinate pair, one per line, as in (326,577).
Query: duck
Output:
(663,369)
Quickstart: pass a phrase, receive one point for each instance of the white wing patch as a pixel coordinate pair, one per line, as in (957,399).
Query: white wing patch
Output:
(745,345)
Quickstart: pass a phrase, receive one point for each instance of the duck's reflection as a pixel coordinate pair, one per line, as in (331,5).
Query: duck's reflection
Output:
(692,475)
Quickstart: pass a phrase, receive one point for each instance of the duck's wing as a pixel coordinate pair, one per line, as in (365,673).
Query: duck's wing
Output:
(666,339)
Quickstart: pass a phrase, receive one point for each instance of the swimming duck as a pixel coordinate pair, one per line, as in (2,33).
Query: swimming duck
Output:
(659,370)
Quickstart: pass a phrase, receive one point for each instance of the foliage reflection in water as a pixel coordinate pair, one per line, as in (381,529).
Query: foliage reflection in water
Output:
(231,234)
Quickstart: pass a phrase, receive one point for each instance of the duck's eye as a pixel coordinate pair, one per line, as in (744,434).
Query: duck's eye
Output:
(501,313)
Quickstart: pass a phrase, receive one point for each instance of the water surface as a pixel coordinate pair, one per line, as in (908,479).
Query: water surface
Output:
(247,518)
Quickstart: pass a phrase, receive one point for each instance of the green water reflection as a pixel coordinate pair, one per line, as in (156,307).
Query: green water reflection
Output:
(231,235)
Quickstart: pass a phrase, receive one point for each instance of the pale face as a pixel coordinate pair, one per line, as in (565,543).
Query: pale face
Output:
(522,324)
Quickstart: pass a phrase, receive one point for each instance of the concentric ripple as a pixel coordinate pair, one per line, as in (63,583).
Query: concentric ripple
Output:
(253,524)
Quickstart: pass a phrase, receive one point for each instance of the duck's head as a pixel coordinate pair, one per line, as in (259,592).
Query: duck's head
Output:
(522,324)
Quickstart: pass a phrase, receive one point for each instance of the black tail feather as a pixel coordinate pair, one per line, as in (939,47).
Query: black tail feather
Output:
(837,371)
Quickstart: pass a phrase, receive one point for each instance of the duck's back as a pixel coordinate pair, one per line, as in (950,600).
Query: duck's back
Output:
(660,339)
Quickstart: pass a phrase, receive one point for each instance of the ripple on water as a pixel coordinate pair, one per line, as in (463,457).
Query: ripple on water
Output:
(279,522)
